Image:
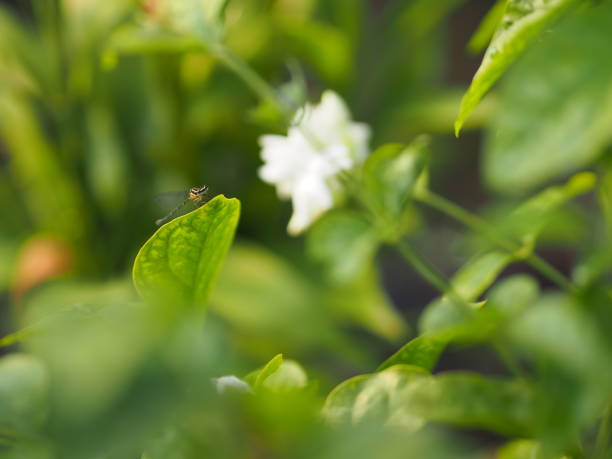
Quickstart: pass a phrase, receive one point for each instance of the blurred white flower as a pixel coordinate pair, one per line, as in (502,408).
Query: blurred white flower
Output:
(231,383)
(321,142)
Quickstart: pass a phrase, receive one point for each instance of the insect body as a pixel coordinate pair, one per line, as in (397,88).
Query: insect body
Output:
(195,198)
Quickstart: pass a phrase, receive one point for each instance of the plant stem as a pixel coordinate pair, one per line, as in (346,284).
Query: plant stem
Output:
(256,83)
(482,226)
(425,269)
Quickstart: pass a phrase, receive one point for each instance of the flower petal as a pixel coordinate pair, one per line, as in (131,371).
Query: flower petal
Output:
(311,198)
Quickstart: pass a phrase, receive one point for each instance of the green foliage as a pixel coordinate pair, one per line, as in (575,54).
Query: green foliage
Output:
(540,133)
(523,21)
(182,258)
(422,352)
(251,349)
(391,174)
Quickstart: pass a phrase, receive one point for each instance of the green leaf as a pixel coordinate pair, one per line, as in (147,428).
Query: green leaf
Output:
(257,377)
(268,369)
(523,21)
(558,329)
(555,106)
(479,273)
(345,242)
(288,376)
(423,351)
(527,221)
(471,400)
(390,175)
(512,295)
(181,260)
(443,314)
(23,394)
(375,396)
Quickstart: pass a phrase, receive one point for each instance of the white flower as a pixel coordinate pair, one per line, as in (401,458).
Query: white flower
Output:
(231,383)
(321,142)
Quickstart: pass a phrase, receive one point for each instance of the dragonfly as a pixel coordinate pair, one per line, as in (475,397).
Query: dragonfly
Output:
(188,200)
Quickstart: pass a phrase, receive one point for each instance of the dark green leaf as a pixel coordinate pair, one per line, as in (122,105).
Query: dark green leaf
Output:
(181,260)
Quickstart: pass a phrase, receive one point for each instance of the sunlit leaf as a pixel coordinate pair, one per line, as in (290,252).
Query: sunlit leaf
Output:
(523,21)
(377,396)
(180,262)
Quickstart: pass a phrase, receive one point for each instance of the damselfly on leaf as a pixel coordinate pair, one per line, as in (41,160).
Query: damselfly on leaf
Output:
(182,202)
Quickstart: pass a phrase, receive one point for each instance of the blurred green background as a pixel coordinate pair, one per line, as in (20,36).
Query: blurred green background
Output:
(98,115)
(96,124)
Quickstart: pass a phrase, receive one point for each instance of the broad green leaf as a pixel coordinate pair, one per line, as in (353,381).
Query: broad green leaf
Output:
(523,21)
(181,260)
(345,242)
(390,175)
(558,329)
(471,400)
(422,351)
(23,394)
(374,396)
(555,106)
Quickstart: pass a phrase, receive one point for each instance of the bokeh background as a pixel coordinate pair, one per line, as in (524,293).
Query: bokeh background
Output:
(95,122)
